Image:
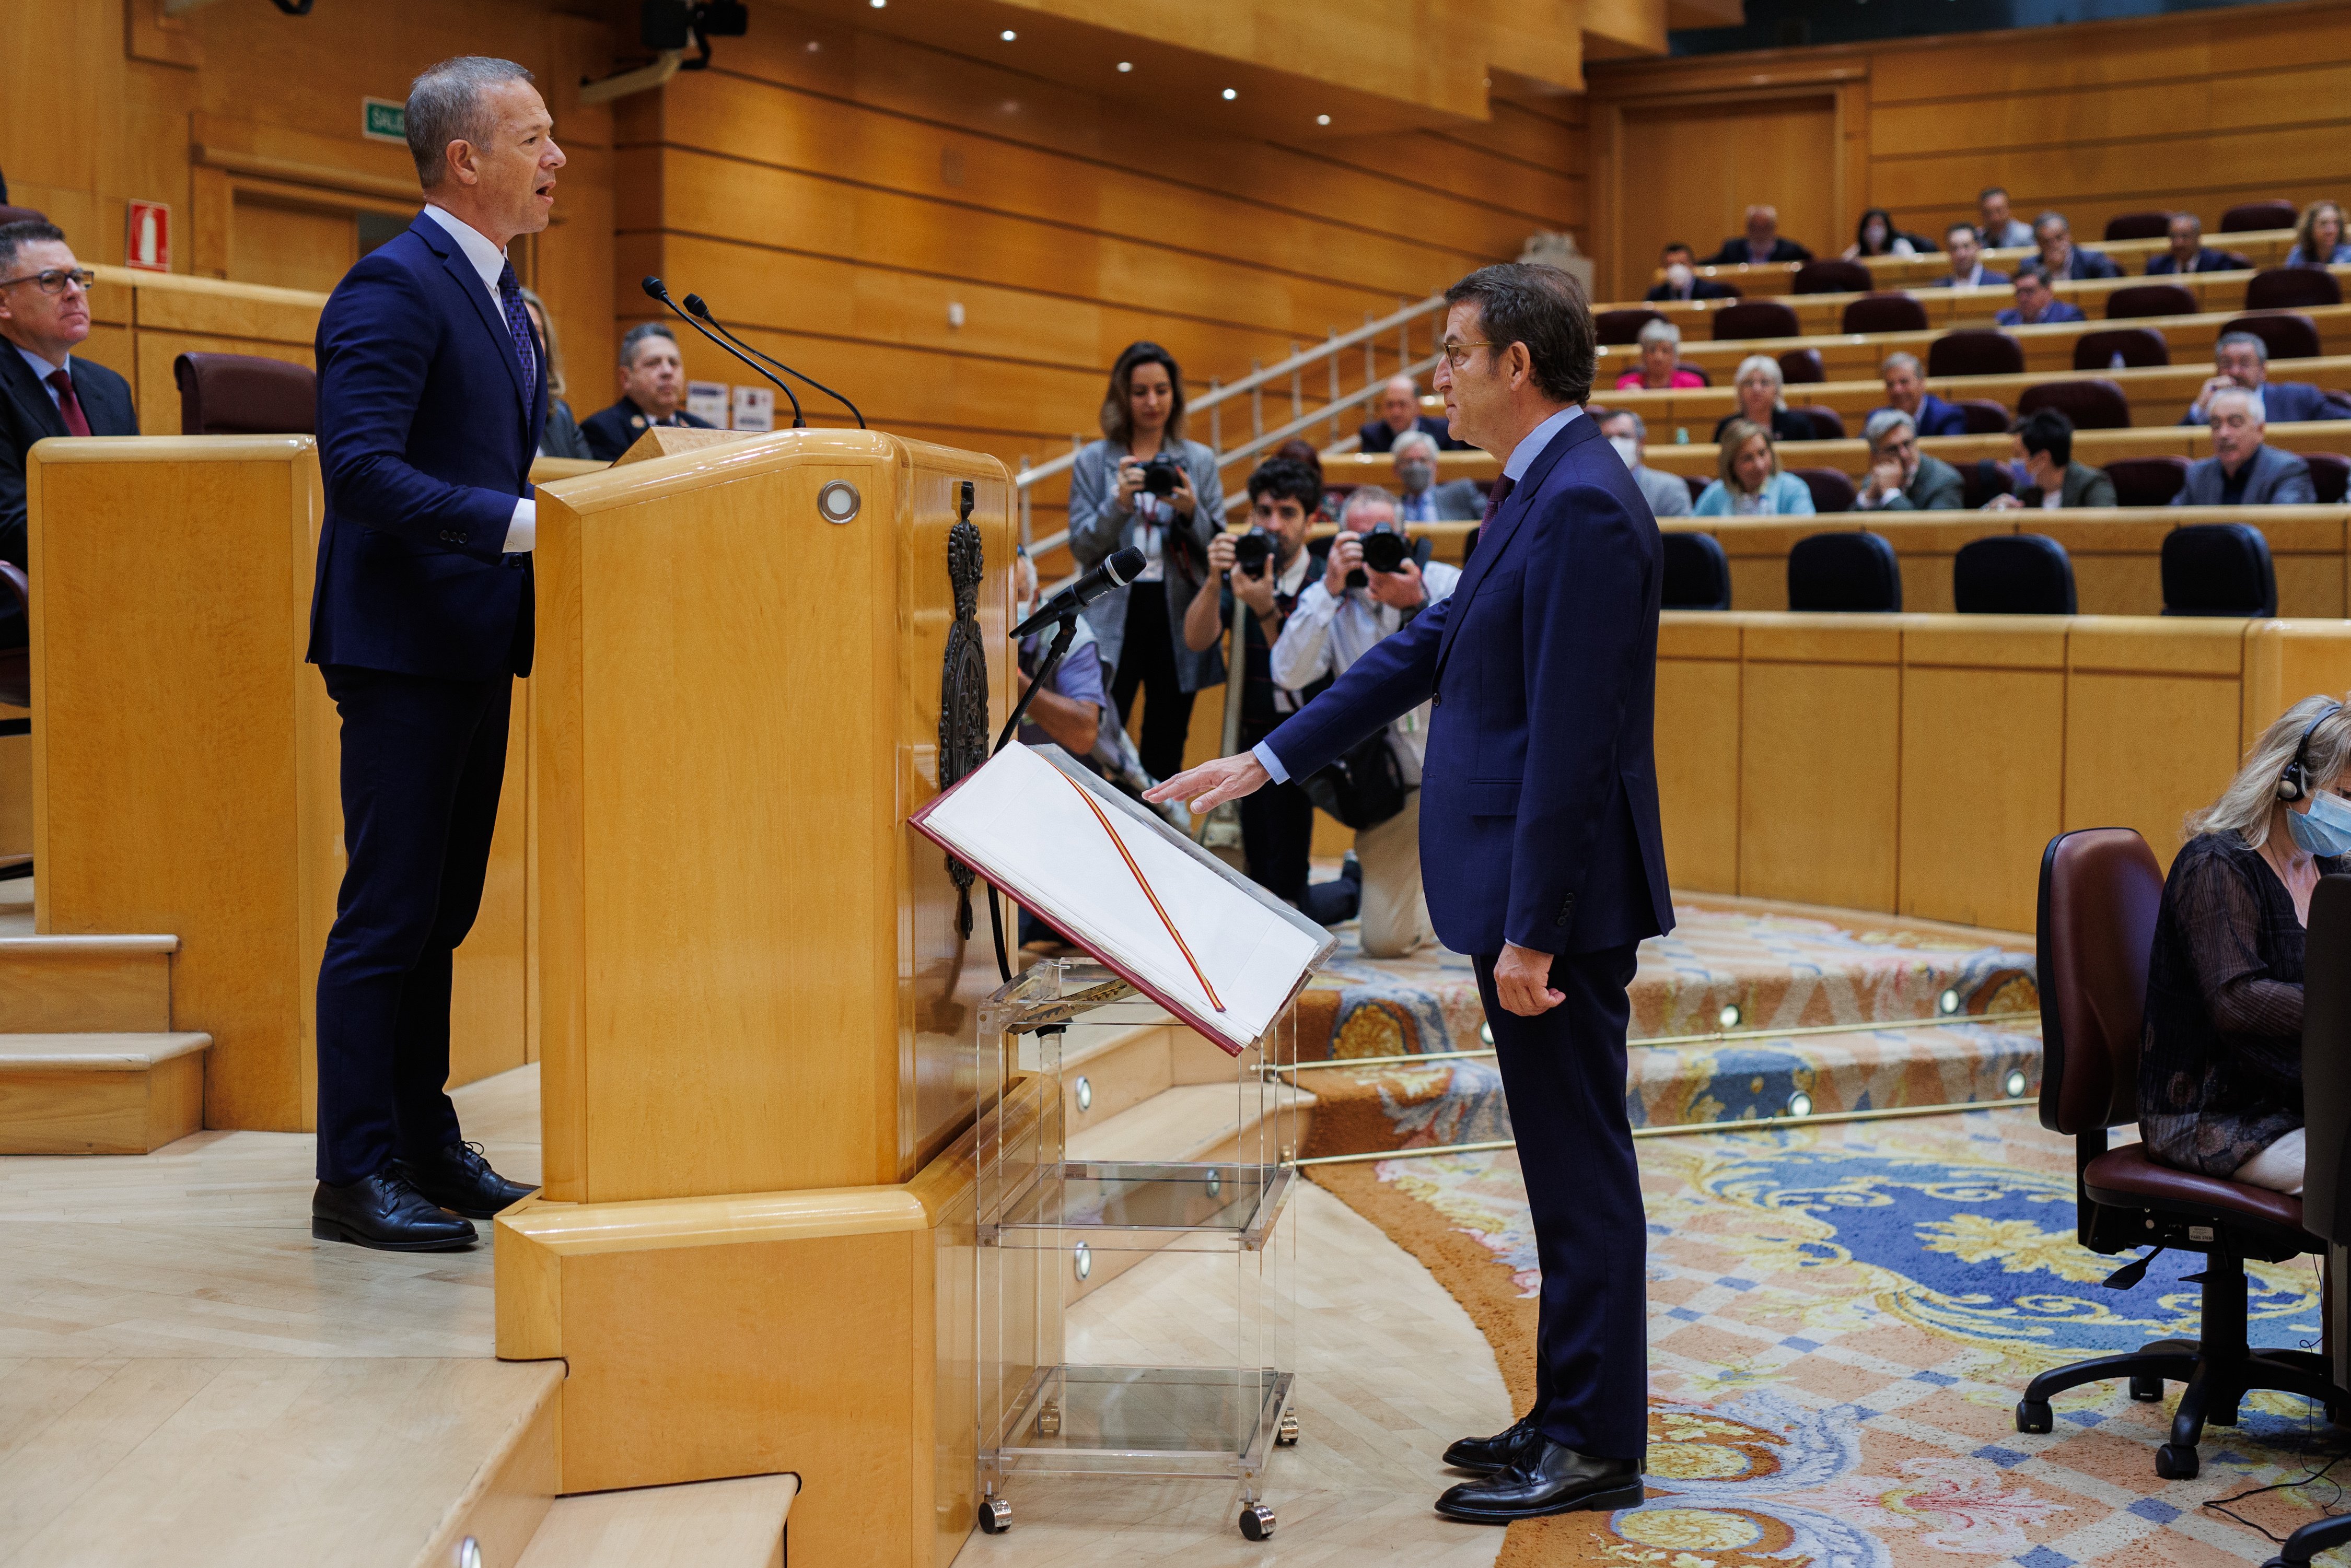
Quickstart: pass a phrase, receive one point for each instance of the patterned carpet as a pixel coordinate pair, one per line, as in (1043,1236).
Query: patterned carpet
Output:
(1841,1321)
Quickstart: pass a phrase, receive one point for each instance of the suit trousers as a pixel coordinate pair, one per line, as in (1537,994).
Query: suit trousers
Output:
(1146,660)
(422,763)
(1396,906)
(1277,834)
(1563,1075)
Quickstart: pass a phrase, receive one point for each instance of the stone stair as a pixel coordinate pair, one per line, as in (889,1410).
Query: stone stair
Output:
(707,1524)
(90,1064)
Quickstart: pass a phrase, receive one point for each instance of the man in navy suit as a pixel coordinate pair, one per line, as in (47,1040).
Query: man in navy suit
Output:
(44,389)
(1540,849)
(2241,363)
(431,394)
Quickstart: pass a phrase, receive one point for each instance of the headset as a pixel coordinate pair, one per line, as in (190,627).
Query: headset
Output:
(2294,783)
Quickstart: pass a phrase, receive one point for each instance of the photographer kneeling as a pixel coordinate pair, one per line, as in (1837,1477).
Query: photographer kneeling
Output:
(1374,583)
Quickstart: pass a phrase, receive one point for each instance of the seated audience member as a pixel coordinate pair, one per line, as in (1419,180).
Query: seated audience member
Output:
(1906,391)
(1762,400)
(2318,239)
(1901,478)
(1333,625)
(1277,821)
(1752,484)
(2048,475)
(2219,1079)
(1399,409)
(1666,495)
(1066,713)
(2001,231)
(1425,500)
(49,390)
(1661,361)
(1877,236)
(2061,258)
(1682,281)
(652,393)
(1967,270)
(2035,304)
(2240,360)
(2243,470)
(2188,253)
(1761,243)
(562,438)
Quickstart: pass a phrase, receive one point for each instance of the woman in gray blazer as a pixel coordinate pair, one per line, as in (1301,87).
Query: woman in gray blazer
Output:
(1111,505)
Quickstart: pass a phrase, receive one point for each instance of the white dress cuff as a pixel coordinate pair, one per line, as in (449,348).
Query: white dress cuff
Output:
(1272,763)
(522,532)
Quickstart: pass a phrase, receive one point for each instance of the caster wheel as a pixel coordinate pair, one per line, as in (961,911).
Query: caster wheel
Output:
(1049,1420)
(995,1516)
(1256,1521)
(2147,1390)
(2033,1415)
(1285,1435)
(2175,1463)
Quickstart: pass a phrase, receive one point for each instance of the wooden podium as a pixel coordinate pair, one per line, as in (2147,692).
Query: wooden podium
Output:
(758,1021)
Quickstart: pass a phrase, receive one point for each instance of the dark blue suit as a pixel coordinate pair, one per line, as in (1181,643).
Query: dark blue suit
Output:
(419,623)
(1539,827)
(2283,402)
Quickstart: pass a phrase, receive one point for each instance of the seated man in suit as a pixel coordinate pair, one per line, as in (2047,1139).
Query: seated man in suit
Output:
(1682,281)
(2000,229)
(652,391)
(1906,391)
(2188,253)
(1668,494)
(1399,408)
(2045,451)
(2241,361)
(2035,304)
(1967,270)
(44,389)
(1901,478)
(2061,258)
(2244,470)
(1425,500)
(1761,243)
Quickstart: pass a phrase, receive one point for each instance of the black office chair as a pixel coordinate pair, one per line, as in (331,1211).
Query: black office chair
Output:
(2218,569)
(2100,892)
(2012,574)
(1845,571)
(1698,574)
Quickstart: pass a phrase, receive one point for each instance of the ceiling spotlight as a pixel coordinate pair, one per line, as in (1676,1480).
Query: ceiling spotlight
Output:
(1322,119)
(1007,35)
(1126,65)
(879,4)
(1230,95)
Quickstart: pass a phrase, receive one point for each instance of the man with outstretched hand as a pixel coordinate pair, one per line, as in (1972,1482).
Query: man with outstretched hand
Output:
(1540,849)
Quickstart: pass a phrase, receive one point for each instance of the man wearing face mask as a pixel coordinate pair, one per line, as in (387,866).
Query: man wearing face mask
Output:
(1425,500)
(1682,281)
(1667,495)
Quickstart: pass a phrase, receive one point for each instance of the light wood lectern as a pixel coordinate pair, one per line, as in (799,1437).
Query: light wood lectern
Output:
(759,1033)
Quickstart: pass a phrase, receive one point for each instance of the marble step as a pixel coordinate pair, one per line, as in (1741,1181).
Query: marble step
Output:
(93,985)
(707,1524)
(111,1093)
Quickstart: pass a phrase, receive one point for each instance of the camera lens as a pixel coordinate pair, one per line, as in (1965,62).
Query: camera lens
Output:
(1384,550)
(1251,550)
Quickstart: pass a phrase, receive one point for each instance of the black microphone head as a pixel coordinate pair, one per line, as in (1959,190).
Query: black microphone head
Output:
(694,307)
(656,287)
(1126,565)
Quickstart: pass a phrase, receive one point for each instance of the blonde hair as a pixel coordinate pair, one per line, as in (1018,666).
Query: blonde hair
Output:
(2244,807)
(1735,436)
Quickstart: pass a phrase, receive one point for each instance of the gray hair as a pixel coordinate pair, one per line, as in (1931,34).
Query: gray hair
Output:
(2052,216)
(1661,332)
(2244,807)
(16,236)
(444,105)
(554,349)
(1640,428)
(1910,360)
(1364,496)
(636,336)
(2260,348)
(1882,423)
(1415,439)
(2253,403)
(1769,369)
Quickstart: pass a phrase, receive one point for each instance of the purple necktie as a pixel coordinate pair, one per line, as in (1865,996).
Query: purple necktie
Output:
(1496,496)
(518,327)
(69,405)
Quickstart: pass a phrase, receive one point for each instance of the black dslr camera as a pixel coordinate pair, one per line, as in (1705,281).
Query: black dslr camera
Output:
(1385,549)
(1163,474)
(1251,551)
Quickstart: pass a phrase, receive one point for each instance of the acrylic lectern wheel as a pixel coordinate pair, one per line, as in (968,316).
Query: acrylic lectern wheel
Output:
(1256,1521)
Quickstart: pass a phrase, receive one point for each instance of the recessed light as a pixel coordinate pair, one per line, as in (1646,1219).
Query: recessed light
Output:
(879,4)
(814,46)
(1230,95)
(1322,119)
(1126,65)
(1007,35)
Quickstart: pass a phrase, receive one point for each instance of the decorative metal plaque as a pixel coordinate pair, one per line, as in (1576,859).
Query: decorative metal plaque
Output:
(963,682)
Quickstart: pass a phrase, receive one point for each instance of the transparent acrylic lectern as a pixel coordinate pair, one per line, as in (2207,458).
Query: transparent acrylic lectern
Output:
(1050,1227)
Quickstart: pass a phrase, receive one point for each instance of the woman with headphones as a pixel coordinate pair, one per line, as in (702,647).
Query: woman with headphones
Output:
(2220,1080)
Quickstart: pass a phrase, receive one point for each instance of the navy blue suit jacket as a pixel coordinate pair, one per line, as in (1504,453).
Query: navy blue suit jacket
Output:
(426,443)
(1539,796)
(2284,403)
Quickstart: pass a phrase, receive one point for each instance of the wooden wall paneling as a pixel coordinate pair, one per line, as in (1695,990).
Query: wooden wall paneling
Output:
(2151,722)
(2117,559)
(2286,661)
(1820,709)
(1697,744)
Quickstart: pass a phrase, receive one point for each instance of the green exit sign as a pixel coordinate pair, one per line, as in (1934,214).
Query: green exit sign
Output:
(381,119)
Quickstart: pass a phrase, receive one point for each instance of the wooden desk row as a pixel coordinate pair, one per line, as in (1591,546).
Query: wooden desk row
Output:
(2263,247)
(141,321)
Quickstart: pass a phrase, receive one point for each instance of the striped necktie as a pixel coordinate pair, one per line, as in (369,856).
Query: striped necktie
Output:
(518,327)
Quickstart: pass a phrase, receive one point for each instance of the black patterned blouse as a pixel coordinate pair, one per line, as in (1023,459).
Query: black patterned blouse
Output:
(2220,1074)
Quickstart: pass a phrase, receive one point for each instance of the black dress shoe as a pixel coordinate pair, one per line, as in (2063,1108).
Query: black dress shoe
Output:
(1522,1440)
(1558,1480)
(384,1212)
(460,1179)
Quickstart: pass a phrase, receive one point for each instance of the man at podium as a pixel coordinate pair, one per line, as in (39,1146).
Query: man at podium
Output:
(1540,849)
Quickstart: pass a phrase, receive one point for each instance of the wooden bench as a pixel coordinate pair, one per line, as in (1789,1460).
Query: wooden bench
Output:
(2095,447)
(2263,247)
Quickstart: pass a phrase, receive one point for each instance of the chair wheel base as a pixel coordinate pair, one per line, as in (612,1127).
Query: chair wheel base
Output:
(1256,1521)
(2176,1462)
(2034,1415)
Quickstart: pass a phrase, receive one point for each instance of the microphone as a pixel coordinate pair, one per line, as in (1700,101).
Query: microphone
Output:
(693,303)
(1116,572)
(660,290)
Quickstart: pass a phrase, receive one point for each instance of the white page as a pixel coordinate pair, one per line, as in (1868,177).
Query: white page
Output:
(1026,825)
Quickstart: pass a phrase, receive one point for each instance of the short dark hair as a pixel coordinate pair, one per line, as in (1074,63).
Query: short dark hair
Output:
(2046,430)
(444,105)
(636,336)
(1287,480)
(1683,245)
(1952,228)
(2025,269)
(1118,414)
(16,236)
(1988,192)
(1546,309)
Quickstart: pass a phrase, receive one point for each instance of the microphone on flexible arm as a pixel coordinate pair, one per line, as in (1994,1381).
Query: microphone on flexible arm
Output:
(660,290)
(693,303)
(1116,572)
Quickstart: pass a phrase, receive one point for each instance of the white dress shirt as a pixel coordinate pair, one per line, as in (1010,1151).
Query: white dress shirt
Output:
(1326,636)
(522,530)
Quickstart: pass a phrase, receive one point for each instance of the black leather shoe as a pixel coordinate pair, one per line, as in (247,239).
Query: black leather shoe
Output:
(460,1179)
(1559,1481)
(1522,1440)
(384,1212)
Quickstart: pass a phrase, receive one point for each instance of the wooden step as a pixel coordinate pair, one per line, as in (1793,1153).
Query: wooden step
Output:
(87,985)
(117,1094)
(707,1524)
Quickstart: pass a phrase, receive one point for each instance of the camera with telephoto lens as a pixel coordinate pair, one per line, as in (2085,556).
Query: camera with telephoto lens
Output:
(1385,549)
(1163,474)
(1251,550)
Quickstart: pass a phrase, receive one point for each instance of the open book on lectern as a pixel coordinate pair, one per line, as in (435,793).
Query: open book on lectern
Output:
(1170,919)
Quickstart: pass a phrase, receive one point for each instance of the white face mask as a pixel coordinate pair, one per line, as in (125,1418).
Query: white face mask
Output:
(1679,276)
(1628,449)
(1874,234)
(1416,474)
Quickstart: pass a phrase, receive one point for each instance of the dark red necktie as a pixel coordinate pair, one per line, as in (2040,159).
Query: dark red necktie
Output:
(69,405)
(1496,496)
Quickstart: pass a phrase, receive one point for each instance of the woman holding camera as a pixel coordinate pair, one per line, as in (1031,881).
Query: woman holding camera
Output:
(1143,485)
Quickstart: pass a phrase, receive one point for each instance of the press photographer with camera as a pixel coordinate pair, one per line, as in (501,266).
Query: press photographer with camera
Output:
(1143,485)
(1374,583)
(1264,569)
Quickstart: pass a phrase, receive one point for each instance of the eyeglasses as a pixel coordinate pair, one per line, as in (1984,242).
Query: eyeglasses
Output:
(1457,354)
(53,281)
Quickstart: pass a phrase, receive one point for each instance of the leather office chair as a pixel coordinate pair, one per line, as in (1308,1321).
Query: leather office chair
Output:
(2137,347)
(1983,416)
(1833,277)
(1618,327)
(2100,892)
(2330,476)
(1698,573)
(1832,491)
(2091,405)
(2012,574)
(15,670)
(1802,365)
(2147,481)
(1827,423)
(1845,571)
(1756,319)
(1981,480)
(2288,335)
(22,216)
(2292,289)
(2150,299)
(2219,569)
(1975,351)
(2275,214)
(239,395)
(1883,313)
(2138,225)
